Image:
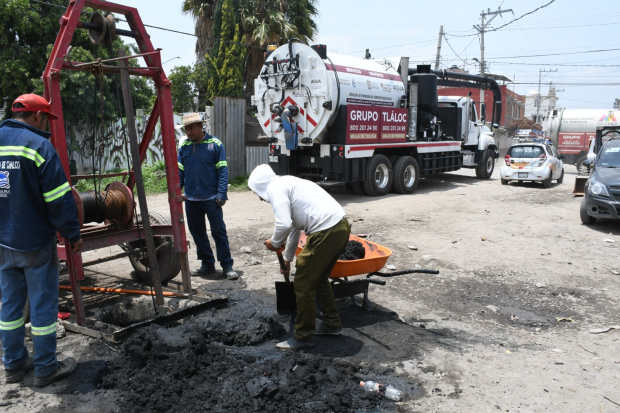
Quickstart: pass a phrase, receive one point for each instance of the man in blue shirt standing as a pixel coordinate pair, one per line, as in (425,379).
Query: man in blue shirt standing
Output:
(35,202)
(203,171)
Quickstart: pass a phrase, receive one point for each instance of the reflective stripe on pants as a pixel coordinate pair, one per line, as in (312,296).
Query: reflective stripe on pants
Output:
(33,274)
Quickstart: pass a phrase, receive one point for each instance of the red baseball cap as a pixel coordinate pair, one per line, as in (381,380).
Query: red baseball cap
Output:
(34,103)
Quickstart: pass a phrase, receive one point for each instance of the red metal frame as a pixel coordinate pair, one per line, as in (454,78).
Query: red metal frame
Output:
(162,110)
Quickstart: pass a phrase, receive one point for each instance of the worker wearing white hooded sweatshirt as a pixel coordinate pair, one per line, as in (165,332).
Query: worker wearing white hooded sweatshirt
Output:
(301,205)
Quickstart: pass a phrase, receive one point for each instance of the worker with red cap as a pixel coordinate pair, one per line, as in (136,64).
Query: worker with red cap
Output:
(36,201)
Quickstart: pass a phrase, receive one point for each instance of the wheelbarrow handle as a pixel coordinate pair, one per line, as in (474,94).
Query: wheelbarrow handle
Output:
(403,272)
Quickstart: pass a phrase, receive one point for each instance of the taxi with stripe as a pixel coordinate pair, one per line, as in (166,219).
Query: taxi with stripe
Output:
(532,160)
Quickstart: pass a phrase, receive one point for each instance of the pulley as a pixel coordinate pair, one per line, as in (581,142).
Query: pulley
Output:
(102,29)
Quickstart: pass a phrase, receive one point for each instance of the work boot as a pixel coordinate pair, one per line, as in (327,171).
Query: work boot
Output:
(65,367)
(15,375)
(324,330)
(204,270)
(292,344)
(231,274)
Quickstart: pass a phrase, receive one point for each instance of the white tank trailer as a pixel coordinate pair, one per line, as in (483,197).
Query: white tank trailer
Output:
(376,125)
(571,130)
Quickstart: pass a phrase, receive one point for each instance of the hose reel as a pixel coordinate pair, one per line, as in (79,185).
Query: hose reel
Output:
(115,205)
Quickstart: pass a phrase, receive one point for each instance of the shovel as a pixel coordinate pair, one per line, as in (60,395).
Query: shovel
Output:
(285,292)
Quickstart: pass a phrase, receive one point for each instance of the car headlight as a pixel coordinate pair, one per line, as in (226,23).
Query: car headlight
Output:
(597,188)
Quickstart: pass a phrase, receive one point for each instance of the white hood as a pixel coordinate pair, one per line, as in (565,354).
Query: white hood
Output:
(259,180)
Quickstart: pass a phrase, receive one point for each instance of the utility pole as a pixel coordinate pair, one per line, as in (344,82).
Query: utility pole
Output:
(481,29)
(538,98)
(439,47)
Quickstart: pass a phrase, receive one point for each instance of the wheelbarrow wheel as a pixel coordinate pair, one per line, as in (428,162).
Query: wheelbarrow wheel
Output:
(168,260)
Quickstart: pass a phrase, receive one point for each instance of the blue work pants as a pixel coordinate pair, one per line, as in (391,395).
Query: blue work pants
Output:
(195,212)
(33,274)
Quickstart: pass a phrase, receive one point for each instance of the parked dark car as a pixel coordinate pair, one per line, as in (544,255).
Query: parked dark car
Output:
(602,191)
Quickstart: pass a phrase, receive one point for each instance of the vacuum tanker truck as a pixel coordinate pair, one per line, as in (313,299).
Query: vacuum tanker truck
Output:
(572,130)
(377,125)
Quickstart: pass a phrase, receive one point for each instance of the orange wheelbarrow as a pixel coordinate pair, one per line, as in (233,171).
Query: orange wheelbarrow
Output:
(343,287)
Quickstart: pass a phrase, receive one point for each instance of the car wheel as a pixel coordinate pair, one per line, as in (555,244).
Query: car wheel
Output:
(547,182)
(357,188)
(505,181)
(484,170)
(561,178)
(583,213)
(405,175)
(378,176)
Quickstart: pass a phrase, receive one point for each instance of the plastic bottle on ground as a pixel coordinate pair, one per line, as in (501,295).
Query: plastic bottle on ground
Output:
(389,391)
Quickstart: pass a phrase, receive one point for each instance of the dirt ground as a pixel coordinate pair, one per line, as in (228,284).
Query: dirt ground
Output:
(484,335)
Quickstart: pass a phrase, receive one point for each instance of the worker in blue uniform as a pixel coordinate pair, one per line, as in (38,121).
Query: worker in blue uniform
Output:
(203,171)
(36,201)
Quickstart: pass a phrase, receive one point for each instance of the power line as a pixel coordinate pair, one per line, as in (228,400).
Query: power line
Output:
(522,16)
(169,30)
(504,25)
(555,54)
(453,51)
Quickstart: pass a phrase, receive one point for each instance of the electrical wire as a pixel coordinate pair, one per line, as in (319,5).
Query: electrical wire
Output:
(165,29)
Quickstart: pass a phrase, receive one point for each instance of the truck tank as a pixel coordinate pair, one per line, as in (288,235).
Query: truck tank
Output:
(322,89)
(572,129)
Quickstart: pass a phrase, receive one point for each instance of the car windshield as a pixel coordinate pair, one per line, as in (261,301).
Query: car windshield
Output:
(526,152)
(609,157)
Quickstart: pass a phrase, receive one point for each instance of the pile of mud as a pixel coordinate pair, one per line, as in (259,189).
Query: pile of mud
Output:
(220,365)
(355,251)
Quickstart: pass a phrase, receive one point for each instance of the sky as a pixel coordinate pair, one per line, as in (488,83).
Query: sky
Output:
(564,33)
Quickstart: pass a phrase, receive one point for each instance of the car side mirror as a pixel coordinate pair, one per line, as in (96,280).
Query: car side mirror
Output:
(483,112)
(561,156)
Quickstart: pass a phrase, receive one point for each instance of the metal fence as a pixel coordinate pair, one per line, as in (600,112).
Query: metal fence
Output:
(255,155)
(228,125)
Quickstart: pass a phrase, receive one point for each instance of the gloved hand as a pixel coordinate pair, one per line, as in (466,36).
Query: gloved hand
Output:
(220,202)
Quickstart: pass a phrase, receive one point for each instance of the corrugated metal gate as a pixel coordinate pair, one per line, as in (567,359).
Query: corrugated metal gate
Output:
(255,155)
(228,125)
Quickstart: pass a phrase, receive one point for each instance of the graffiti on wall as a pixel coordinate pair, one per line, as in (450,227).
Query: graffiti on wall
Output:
(108,149)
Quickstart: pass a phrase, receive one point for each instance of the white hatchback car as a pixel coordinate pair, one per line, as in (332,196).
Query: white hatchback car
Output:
(532,161)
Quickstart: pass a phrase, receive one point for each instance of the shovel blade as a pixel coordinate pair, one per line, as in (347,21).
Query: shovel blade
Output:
(285,295)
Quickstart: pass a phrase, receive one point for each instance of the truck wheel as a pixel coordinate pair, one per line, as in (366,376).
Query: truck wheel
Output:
(405,175)
(378,176)
(357,188)
(583,213)
(547,182)
(167,258)
(484,170)
(561,178)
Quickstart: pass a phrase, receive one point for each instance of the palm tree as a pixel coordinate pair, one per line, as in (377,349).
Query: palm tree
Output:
(262,22)
(203,12)
(267,22)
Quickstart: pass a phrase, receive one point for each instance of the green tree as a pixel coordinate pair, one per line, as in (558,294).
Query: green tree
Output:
(203,12)
(182,89)
(263,22)
(225,70)
(27,33)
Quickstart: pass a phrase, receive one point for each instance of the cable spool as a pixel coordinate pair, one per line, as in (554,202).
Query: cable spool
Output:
(115,205)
